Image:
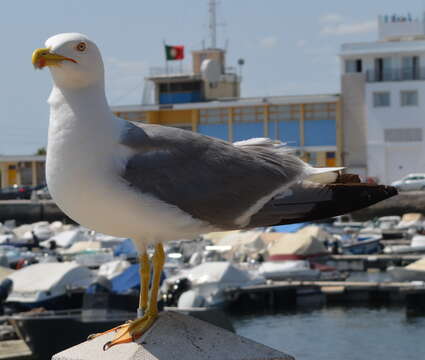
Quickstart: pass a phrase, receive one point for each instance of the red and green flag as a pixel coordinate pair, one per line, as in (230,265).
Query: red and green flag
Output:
(175,52)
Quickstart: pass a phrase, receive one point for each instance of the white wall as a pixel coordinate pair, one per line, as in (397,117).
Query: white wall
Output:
(388,30)
(384,161)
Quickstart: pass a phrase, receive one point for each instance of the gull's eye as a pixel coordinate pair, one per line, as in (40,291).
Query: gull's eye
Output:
(81,46)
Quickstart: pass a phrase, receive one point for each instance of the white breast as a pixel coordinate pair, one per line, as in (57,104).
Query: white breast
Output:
(84,163)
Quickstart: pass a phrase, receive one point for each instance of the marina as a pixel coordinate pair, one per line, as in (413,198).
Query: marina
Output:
(278,269)
(294,293)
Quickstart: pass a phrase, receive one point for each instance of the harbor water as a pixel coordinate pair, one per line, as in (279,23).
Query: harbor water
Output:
(338,333)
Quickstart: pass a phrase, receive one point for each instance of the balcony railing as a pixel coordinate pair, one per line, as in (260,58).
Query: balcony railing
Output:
(402,74)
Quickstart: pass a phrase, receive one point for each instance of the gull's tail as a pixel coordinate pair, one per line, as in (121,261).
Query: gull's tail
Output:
(310,201)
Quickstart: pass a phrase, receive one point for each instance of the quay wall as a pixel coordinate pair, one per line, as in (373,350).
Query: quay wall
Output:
(28,211)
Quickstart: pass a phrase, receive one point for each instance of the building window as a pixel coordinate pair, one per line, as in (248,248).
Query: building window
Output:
(409,98)
(381,99)
(403,135)
(410,68)
(353,66)
(320,111)
(214,116)
(285,112)
(173,87)
(248,114)
(383,69)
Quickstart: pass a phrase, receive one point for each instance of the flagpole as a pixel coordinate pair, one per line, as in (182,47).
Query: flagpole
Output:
(166,60)
(166,69)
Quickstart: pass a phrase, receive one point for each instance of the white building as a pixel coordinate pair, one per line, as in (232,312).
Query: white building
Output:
(383,100)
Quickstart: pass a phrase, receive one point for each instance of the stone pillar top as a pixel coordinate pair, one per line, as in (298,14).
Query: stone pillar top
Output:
(176,337)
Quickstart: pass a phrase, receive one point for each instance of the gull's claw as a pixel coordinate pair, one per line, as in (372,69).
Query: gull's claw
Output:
(115,329)
(131,331)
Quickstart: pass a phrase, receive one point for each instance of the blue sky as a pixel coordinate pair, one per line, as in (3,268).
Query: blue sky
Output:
(289,47)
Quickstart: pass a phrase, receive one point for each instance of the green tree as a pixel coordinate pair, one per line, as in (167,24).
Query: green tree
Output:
(41,151)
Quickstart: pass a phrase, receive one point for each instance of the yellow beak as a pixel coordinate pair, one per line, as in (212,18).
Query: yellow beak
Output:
(43,57)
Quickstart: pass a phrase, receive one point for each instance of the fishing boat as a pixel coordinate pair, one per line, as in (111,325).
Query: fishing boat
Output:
(288,270)
(417,245)
(50,285)
(412,272)
(295,256)
(362,244)
(206,283)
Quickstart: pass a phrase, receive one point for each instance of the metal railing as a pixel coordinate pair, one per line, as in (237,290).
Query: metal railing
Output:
(402,74)
(178,69)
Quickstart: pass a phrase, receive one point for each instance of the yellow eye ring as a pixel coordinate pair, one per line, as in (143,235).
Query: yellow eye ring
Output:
(81,46)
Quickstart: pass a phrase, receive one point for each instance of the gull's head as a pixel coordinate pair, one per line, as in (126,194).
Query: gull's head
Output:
(74,60)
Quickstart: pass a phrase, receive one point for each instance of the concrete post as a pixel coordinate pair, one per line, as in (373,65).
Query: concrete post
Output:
(4,174)
(34,173)
(176,336)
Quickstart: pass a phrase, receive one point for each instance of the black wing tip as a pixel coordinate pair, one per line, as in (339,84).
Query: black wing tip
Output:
(345,198)
(361,195)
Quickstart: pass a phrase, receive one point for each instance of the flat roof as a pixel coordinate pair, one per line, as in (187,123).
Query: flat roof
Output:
(232,102)
(12,158)
(382,47)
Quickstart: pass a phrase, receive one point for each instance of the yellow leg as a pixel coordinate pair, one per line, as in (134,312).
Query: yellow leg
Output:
(135,329)
(145,271)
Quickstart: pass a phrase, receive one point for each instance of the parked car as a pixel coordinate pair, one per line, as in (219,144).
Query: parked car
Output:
(410,182)
(43,193)
(15,192)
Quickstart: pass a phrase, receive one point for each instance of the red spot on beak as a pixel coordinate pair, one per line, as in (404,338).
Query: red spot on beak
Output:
(42,63)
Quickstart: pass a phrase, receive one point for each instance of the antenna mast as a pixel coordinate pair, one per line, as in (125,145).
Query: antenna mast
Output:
(213,23)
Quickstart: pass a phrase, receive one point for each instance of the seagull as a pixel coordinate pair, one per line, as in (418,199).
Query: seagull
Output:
(154,183)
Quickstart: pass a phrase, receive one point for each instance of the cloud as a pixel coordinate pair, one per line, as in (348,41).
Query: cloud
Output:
(347,29)
(268,42)
(331,18)
(336,24)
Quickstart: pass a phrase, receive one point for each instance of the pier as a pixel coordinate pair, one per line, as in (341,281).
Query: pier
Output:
(375,261)
(29,211)
(15,350)
(176,336)
(281,294)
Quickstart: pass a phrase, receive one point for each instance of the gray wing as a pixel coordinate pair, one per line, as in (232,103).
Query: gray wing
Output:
(210,179)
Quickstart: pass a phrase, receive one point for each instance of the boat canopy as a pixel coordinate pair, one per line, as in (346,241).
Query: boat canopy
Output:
(113,268)
(243,242)
(222,272)
(305,243)
(66,238)
(411,219)
(51,278)
(127,279)
(126,248)
(216,237)
(83,246)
